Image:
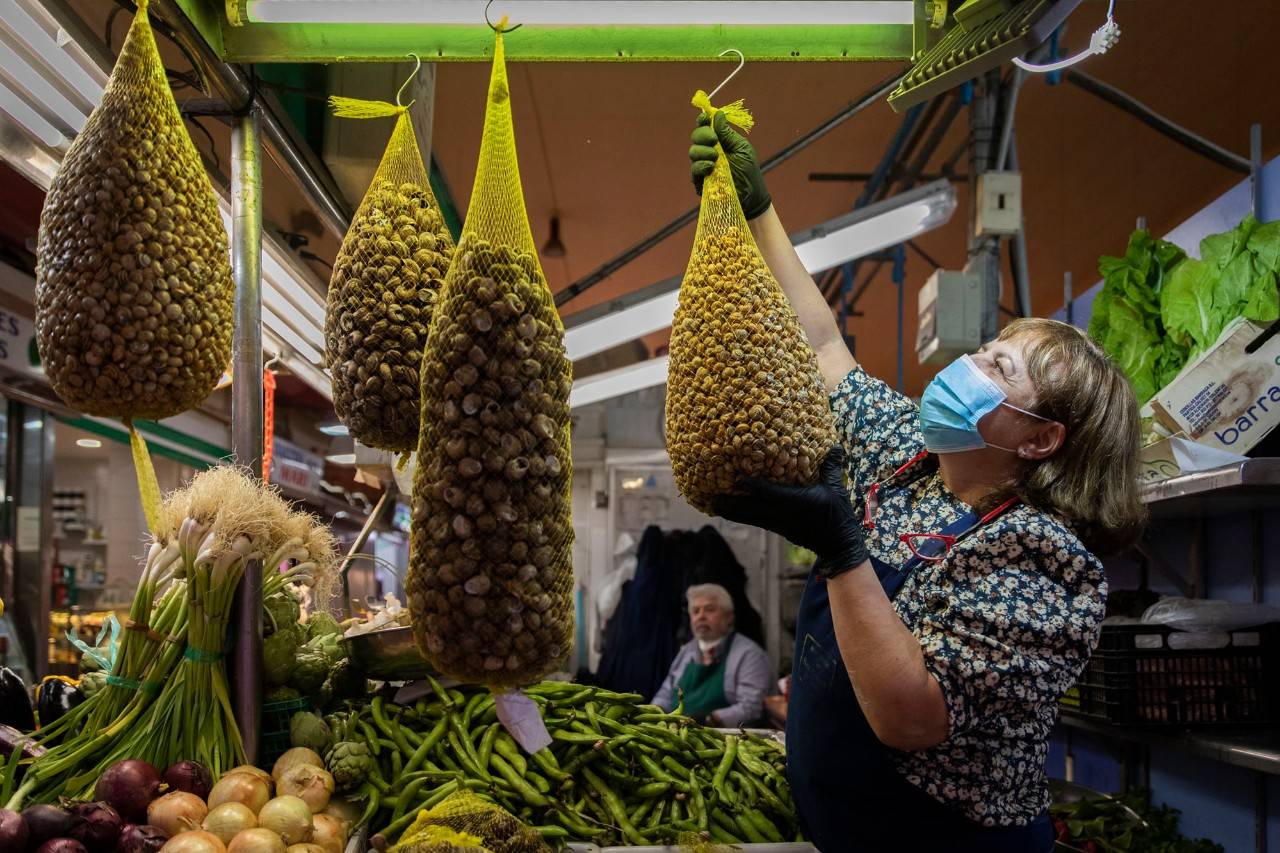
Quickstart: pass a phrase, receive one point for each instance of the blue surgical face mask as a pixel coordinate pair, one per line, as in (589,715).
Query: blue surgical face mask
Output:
(955,401)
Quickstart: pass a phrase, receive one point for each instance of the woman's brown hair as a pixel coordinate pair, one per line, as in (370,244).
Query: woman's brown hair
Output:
(1092,481)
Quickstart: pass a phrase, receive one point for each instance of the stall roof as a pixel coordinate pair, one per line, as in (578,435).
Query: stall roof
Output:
(627,30)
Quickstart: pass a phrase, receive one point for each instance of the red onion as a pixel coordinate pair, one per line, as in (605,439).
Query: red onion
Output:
(141,839)
(95,825)
(62,845)
(45,822)
(191,777)
(128,787)
(13,831)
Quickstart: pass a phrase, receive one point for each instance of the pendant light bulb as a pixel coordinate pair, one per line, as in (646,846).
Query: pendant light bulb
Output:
(554,248)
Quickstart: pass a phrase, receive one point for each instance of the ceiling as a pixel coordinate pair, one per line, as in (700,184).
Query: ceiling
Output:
(604,146)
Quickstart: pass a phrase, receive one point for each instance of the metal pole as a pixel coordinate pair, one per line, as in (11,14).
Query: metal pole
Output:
(1068,297)
(246,403)
(984,252)
(1255,169)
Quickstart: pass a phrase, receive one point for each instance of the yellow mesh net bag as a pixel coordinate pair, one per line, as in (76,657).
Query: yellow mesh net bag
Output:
(133,283)
(490,570)
(745,398)
(465,820)
(383,290)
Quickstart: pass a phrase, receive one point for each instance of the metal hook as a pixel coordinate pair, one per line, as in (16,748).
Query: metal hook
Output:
(406,83)
(275,359)
(742,60)
(491,25)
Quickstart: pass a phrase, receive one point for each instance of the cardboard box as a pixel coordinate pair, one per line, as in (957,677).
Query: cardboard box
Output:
(1157,462)
(1229,397)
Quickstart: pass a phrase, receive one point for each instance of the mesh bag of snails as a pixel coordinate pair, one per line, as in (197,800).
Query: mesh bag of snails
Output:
(744,395)
(133,280)
(385,282)
(490,576)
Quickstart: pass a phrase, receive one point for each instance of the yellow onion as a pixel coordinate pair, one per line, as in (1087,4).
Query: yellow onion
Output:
(313,785)
(305,848)
(256,841)
(228,820)
(251,770)
(252,791)
(292,758)
(194,842)
(177,812)
(329,832)
(288,817)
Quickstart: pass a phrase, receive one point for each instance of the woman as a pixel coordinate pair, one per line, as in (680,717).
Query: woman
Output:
(956,594)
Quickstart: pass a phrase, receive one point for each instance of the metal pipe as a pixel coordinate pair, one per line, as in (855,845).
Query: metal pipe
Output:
(1068,298)
(611,266)
(1018,245)
(1010,106)
(1153,119)
(984,252)
(362,537)
(1255,170)
(294,157)
(246,404)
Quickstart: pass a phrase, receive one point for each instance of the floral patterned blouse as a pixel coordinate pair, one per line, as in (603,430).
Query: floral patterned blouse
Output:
(1007,619)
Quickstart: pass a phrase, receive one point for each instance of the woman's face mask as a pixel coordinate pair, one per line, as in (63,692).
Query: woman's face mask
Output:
(953,404)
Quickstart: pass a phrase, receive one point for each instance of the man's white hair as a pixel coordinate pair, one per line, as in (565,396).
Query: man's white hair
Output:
(714,591)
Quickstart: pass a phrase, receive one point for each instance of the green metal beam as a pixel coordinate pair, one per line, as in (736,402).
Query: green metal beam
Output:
(258,42)
(209,18)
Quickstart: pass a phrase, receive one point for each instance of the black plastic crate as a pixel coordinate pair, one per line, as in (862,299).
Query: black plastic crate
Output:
(1155,675)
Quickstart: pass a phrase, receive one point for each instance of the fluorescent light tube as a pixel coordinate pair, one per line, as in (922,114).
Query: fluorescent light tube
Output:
(615,383)
(34,123)
(337,429)
(341,458)
(853,235)
(598,335)
(875,227)
(18,71)
(578,13)
(25,29)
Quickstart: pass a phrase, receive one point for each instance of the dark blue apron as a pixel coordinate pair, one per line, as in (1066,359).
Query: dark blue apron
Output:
(849,794)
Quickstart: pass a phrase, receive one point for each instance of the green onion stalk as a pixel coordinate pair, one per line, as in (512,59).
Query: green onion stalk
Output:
(193,718)
(137,648)
(62,770)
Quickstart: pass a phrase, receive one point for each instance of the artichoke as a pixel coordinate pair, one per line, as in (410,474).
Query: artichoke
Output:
(282,611)
(322,624)
(282,694)
(91,682)
(280,657)
(310,672)
(308,730)
(350,763)
(345,682)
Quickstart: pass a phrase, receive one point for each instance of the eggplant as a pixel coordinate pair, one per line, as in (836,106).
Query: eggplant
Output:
(15,702)
(11,739)
(54,697)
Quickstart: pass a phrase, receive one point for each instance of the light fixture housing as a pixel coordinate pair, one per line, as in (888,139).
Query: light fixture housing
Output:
(554,247)
(614,383)
(765,13)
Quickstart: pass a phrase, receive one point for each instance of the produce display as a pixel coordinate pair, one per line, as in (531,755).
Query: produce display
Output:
(489,583)
(464,820)
(166,699)
(383,291)
(133,282)
(617,771)
(1159,309)
(1123,824)
(136,810)
(745,398)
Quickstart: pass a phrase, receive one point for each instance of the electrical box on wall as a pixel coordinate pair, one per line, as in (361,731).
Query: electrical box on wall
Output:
(950,316)
(999,204)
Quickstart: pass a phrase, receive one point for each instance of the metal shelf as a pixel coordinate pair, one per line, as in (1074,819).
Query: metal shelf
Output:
(1243,486)
(1255,748)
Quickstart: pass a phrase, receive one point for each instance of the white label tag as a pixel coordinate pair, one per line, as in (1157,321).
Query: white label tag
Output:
(520,717)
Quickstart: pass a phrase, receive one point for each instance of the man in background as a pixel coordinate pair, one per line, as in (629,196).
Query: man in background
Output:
(721,675)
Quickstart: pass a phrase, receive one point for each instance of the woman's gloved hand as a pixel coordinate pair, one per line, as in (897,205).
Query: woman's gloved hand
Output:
(743,165)
(818,517)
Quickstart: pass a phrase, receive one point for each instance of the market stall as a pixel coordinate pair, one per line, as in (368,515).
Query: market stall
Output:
(384,624)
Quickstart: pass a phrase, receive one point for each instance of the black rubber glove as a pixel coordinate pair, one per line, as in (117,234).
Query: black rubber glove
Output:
(743,165)
(818,517)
